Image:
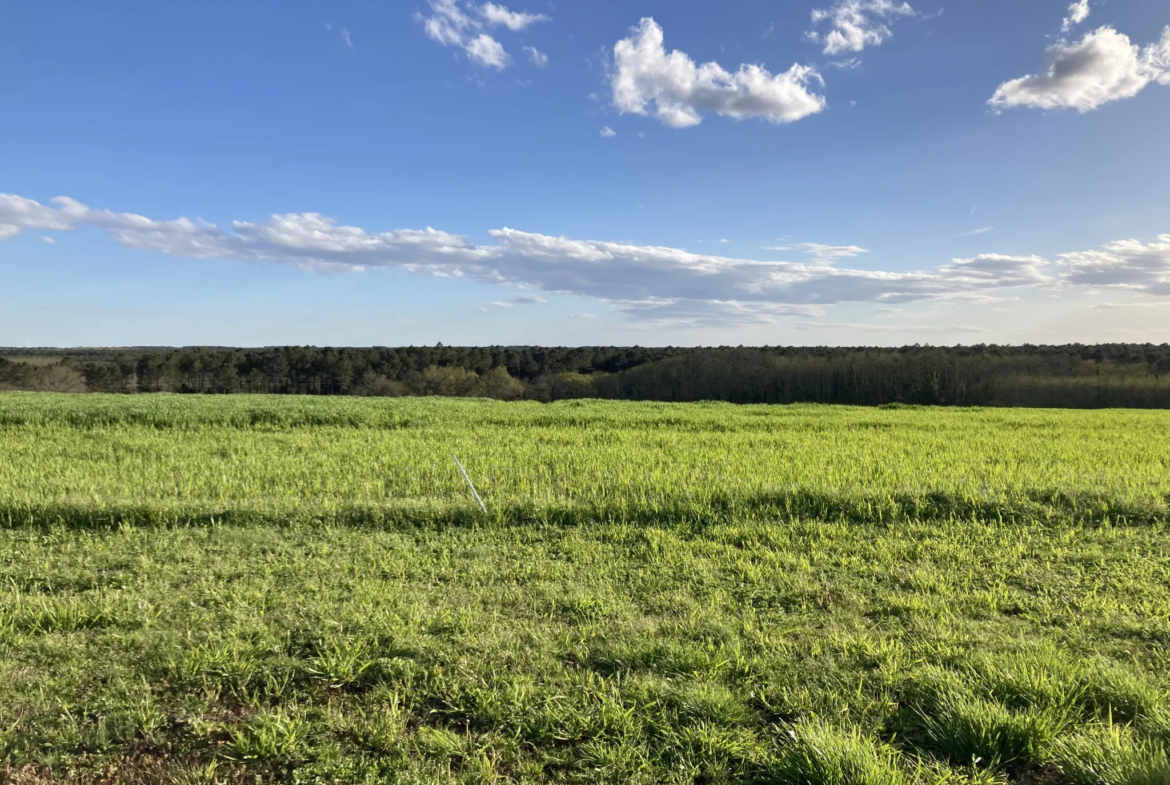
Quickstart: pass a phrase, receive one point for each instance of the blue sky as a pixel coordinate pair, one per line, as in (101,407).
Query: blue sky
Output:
(834,172)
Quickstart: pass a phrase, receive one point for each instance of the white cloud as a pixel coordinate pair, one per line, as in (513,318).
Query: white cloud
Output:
(1157,56)
(827,254)
(976,232)
(538,58)
(643,73)
(1103,66)
(455,24)
(346,39)
(856,24)
(18,214)
(513,20)
(447,23)
(488,52)
(1077,13)
(1128,264)
(608,132)
(848,64)
(652,283)
(48,240)
(998,269)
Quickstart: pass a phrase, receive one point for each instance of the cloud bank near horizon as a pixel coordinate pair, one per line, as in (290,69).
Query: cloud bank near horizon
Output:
(657,284)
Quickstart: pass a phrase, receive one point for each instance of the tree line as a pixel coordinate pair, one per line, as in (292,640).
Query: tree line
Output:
(1080,376)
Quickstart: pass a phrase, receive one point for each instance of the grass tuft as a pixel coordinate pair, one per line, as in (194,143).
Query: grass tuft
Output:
(275,735)
(821,754)
(1111,755)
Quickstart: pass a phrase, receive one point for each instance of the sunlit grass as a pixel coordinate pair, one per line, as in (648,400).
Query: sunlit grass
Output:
(159,457)
(201,589)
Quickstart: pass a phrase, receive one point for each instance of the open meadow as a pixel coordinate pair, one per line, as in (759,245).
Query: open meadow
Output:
(247,588)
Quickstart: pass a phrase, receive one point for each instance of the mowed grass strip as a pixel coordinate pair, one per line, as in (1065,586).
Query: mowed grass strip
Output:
(732,644)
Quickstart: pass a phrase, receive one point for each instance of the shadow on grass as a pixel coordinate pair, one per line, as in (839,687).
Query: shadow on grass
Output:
(1033,509)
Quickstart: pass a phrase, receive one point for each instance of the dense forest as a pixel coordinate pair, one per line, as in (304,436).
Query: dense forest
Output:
(1109,375)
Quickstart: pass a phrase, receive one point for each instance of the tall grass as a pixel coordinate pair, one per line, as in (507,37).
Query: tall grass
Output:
(144,458)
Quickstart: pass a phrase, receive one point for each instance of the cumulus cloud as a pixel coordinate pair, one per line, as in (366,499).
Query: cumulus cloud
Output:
(679,90)
(1077,13)
(652,283)
(608,132)
(1103,66)
(488,52)
(447,23)
(998,269)
(1126,264)
(455,24)
(536,57)
(856,24)
(48,240)
(498,15)
(18,214)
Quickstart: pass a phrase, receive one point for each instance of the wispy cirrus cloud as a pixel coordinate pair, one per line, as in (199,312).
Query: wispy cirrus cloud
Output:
(452,23)
(670,86)
(536,57)
(827,254)
(846,64)
(656,284)
(498,15)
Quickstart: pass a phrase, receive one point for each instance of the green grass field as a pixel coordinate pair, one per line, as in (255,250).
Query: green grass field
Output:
(198,589)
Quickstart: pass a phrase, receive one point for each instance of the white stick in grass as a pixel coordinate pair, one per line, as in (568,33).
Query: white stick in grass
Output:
(474,492)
